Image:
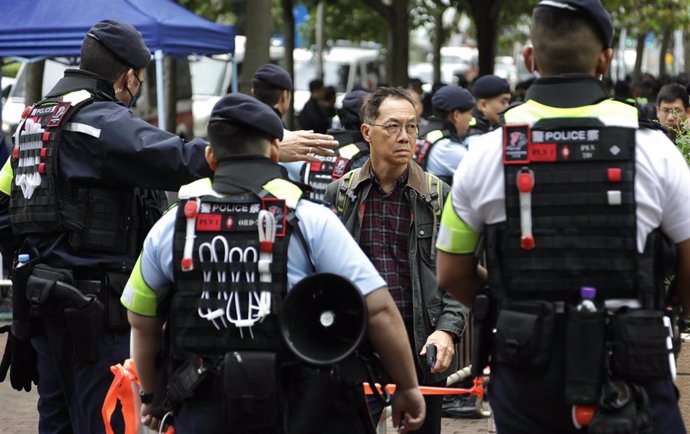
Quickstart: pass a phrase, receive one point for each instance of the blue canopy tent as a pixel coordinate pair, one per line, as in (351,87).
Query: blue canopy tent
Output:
(37,29)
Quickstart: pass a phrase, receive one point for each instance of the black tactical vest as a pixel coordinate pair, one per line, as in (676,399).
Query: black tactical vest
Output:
(95,219)
(579,175)
(225,275)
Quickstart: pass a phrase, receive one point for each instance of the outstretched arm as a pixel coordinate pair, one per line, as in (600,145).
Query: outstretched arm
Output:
(387,334)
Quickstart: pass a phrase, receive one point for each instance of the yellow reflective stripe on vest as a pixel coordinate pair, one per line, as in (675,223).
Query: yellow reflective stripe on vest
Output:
(348,151)
(6,175)
(76,97)
(285,190)
(454,236)
(610,112)
(433,136)
(279,188)
(200,187)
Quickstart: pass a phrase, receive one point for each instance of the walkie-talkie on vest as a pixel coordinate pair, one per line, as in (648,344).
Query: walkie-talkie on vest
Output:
(525,184)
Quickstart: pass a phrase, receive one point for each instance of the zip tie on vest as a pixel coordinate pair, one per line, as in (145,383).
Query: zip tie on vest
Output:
(207,275)
(191,209)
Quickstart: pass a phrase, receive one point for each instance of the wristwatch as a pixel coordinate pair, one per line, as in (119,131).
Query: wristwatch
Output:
(146,398)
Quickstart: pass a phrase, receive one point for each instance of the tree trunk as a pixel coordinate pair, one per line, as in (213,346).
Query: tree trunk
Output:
(686,50)
(639,52)
(665,44)
(485,14)
(397,16)
(399,44)
(170,93)
(34,82)
(289,36)
(439,40)
(258,41)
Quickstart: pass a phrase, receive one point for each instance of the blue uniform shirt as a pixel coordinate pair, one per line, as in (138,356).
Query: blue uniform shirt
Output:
(331,247)
(444,157)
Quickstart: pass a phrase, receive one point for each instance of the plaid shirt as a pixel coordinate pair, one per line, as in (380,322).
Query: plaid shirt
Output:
(385,239)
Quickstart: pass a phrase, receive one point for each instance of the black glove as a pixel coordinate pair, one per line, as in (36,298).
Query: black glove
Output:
(623,409)
(22,356)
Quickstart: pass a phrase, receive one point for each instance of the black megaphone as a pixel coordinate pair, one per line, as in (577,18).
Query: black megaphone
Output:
(324,318)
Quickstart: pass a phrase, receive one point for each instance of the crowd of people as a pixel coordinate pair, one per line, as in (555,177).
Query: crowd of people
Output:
(549,212)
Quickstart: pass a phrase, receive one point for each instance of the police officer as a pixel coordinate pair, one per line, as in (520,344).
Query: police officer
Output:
(272,85)
(571,193)
(75,209)
(352,151)
(220,220)
(442,149)
(493,96)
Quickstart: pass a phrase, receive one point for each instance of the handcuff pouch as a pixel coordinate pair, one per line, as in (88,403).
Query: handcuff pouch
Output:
(524,334)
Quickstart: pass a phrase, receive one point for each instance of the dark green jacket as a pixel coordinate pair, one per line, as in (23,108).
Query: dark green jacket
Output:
(434,309)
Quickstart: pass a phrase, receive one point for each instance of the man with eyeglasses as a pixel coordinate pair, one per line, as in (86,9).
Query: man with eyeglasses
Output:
(672,108)
(392,209)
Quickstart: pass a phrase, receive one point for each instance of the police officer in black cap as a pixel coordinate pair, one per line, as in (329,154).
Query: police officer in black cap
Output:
(440,150)
(352,151)
(493,96)
(79,213)
(231,372)
(572,197)
(272,85)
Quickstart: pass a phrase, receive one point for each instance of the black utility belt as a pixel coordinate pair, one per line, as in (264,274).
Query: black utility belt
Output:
(633,343)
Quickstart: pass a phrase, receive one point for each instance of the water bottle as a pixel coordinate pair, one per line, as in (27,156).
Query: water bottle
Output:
(584,357)
(22,259)
(587,304)
(21,326)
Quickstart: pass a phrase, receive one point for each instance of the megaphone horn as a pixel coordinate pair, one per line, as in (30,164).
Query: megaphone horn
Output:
(324,318)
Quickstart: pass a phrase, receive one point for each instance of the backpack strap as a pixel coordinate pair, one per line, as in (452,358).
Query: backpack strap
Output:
(344,190)
(435,199)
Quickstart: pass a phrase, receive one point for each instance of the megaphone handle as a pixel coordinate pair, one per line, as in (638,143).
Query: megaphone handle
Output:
(383,396)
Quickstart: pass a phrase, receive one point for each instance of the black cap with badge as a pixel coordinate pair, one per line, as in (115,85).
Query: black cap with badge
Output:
(123,40)
(593,8)
(489,86)
(241,109)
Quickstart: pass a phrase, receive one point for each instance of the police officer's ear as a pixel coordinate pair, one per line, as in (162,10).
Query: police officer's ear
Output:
(530,61)
(210,158)
(274,150)
(603,62)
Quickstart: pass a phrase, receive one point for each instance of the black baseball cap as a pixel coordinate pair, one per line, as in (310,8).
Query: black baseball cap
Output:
(593,8)
(274,75)
(123,40)
(451,97)
(489,86)
(241,109)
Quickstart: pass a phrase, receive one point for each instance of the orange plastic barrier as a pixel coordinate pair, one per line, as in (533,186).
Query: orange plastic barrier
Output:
(477,389)
(122,389)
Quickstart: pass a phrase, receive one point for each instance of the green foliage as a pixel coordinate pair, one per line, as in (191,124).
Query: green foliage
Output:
(11,69)
(351,20)
(682,134)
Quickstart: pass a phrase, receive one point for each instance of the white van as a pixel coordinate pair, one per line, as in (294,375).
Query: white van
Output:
(345,68)
(146,106)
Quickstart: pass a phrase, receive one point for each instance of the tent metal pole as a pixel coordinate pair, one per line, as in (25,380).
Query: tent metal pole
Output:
(160,98)
(235,76)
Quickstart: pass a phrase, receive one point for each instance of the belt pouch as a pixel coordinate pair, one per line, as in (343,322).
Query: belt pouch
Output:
(250,384)
(524,334)
(639,348)
(21,308)
(115,313)
(584,355)
(85,326)
(39,289)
